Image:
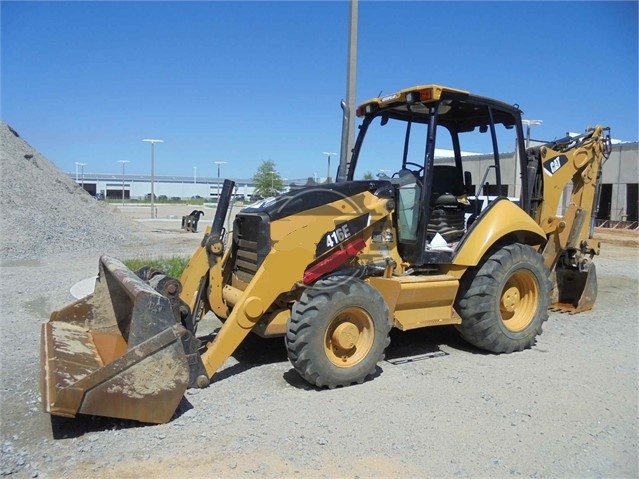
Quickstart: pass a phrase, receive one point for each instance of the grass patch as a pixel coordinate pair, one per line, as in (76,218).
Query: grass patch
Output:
(172,266)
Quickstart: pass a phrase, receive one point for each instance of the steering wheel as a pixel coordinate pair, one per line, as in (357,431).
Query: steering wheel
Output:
(413,174)
(420,168)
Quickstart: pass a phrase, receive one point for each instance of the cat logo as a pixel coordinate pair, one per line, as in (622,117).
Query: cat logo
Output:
(552,165)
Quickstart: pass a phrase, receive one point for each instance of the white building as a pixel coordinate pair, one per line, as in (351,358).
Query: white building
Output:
(132,186)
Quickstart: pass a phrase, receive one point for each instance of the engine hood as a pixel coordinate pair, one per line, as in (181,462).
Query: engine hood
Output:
(303,199)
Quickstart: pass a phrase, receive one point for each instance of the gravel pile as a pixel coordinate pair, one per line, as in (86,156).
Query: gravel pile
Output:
(44,212)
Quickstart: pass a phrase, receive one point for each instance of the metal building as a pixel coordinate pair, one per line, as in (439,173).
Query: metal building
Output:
(619,199)
(132,186)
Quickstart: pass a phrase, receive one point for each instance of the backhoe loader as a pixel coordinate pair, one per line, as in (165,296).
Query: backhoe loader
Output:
(332,268)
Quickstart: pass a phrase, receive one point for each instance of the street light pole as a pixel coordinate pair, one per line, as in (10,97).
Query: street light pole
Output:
(528,124)
(328,173)
(77,163)
(218,163)
(81,165)
(124,162)
(153,142)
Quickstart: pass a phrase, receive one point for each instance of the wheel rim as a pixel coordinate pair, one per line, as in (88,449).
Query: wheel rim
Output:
(519,300)
(349,337)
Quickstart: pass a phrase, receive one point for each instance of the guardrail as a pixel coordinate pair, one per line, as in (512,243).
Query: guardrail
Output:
(617,224)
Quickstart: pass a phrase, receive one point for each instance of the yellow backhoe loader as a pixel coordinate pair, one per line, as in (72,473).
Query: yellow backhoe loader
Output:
(333,267)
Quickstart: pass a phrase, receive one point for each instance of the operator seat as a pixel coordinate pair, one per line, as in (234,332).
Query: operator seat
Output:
(447,204)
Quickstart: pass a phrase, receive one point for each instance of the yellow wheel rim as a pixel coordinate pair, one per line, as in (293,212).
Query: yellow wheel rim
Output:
(349,337)
(519,300)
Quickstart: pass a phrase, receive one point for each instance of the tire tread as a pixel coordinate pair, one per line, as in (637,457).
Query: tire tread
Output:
(477,304)
(309,309)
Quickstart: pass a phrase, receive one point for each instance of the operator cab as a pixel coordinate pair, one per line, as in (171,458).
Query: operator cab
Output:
(435,141)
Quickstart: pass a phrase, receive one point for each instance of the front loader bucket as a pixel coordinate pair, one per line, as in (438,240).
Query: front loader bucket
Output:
(574,291)
(117,352)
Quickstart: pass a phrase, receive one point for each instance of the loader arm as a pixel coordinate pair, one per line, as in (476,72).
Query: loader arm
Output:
(207,256)
(267,285)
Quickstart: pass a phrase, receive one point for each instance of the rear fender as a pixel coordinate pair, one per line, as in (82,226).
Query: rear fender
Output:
(502,219)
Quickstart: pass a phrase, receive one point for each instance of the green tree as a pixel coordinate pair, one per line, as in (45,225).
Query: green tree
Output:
(267,180)
(368,176)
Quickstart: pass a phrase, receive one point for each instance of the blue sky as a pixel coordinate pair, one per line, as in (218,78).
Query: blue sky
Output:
(244,82)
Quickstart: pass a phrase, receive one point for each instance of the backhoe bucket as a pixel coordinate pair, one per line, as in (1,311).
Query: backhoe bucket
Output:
(574,291)
(117,352)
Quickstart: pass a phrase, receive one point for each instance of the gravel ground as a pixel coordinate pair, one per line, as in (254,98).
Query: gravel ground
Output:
(437,408)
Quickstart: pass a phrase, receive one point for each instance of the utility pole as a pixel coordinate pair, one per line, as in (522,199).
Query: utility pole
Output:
(153,142)
(348,106)
(124,162)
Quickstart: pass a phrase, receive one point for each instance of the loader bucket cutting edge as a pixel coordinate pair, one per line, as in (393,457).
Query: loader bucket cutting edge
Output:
(574,291)
(115,353)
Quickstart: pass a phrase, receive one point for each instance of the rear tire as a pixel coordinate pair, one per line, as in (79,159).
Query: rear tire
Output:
(338,332)
(504,300)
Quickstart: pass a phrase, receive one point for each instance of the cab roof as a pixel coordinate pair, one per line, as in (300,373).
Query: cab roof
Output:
(457,108)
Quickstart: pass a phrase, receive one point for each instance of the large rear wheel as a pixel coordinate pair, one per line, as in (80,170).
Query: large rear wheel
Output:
(504,300)
(338,332)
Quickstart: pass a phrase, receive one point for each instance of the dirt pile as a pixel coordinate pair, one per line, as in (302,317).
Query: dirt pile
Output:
(617,236)
(44,212)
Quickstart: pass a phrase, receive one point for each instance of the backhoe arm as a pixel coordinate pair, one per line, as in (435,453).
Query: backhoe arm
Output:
(576,163)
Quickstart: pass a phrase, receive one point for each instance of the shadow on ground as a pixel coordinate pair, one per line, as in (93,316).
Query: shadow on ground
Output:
(405,347)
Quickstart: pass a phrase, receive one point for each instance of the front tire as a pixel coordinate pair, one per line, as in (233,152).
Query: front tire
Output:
(338,332)
(504,300)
